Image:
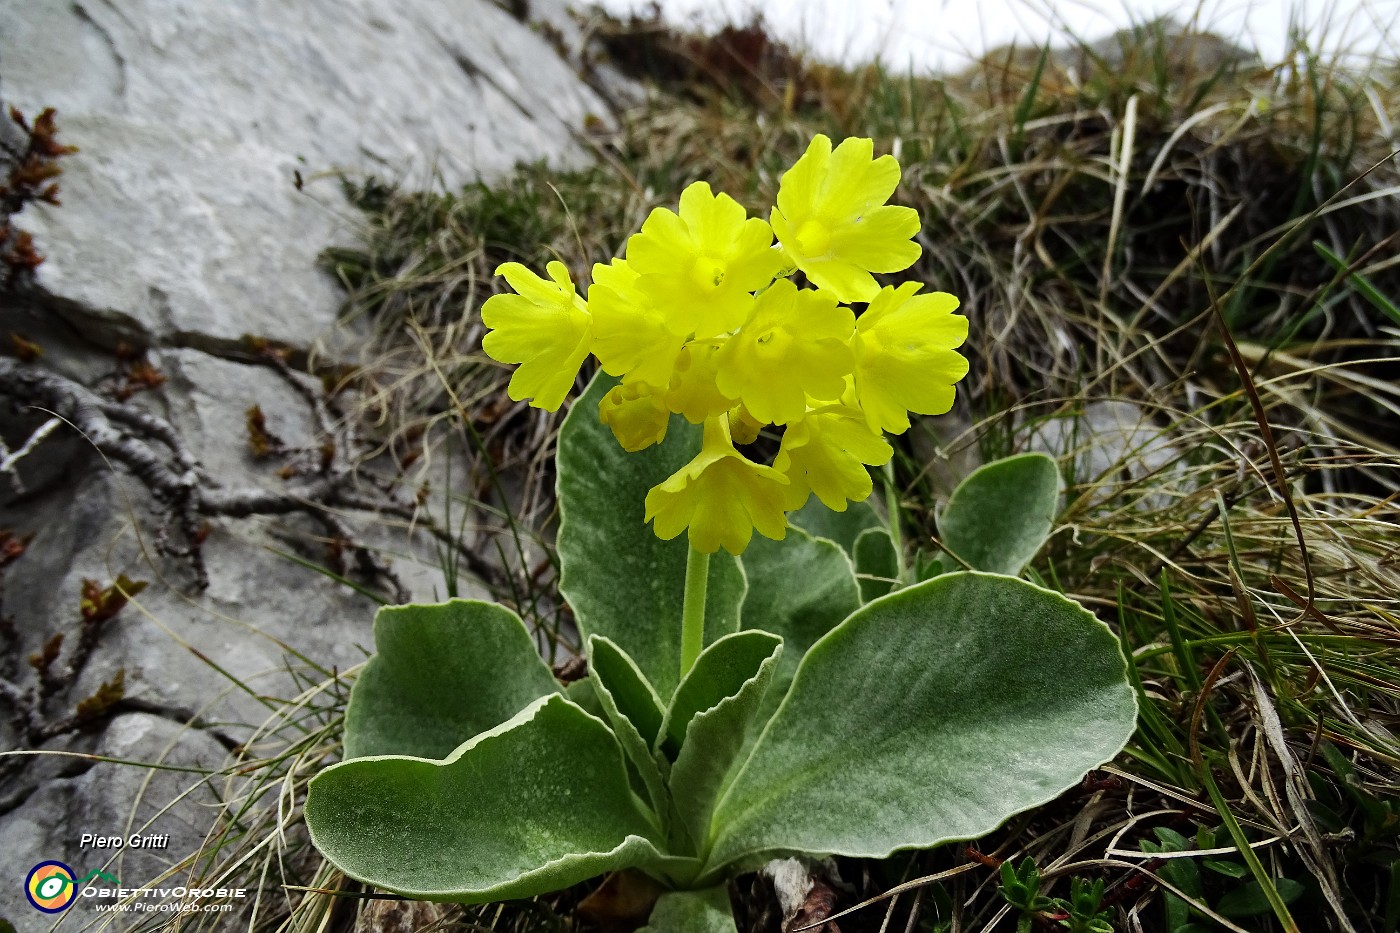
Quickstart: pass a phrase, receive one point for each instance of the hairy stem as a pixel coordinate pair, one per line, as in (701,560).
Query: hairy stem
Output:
(697,575)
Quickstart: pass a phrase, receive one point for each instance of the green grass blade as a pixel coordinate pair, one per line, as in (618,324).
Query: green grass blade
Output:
(1363,285)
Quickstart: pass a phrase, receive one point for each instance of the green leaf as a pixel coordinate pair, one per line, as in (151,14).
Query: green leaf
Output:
(1267,888)
(841,527)
(720,672)
(877,564)
(1171,837)
(930,715)
(633,695)
(703,911)
(1183,873)
(534,805)
(1002,513)
(927,566)
(621,580)
(800,588)
(443,674)
(1249,899)
(1020,887)
(582,693)
(1228,869)
(632,707)
(716,736)
(1186,876)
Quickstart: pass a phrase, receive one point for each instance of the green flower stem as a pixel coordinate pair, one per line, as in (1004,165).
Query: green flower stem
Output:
(892,506)
(697,575)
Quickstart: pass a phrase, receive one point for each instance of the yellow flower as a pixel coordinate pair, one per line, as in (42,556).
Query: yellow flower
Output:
(826,453)
(794,344)
(702,265)
(905,356)
(692,391)
(630,337)
(637,415)
(545,328)
(720,496)
(743,427)
(833,222)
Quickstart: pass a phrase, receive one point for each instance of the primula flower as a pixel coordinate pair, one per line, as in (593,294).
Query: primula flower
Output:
(694,323)
(703,264)
(720,496)
(545,328)
(637,415)
(692,391)
(826,453)
(833,222)
(794,345)
(905,357)
(630,336)
(743,427)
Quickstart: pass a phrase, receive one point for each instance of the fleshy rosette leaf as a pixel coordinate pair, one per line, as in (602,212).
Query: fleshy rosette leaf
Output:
(620,579)
(504,816)
(1002,513)
(939,746)
(443,673)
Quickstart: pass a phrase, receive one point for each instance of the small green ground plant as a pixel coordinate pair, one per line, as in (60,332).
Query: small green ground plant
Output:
(747,705)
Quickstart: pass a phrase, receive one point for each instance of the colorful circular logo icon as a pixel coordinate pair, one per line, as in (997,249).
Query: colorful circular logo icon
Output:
(50,887)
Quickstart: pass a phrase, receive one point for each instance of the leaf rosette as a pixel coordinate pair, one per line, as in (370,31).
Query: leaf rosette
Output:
(794,693)
(812,723)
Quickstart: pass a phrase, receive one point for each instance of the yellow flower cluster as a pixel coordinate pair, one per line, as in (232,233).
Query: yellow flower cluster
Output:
(701,319)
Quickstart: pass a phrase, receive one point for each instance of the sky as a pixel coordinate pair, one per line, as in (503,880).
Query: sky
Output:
(942,35)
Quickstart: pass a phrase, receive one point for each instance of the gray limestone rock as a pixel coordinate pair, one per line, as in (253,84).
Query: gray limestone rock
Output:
(263,602)
(212,137)
(1109,443)
(181,214)
(165,802)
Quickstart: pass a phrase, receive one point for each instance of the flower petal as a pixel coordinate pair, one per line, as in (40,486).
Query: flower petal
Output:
(858,182)
(630,337)
(720,497)
(801,184)
(545,328)
(795,344)
(700,266)
(827,453)
(832,220)
(636,414)
(880,240)
(905,358)
(693,392)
